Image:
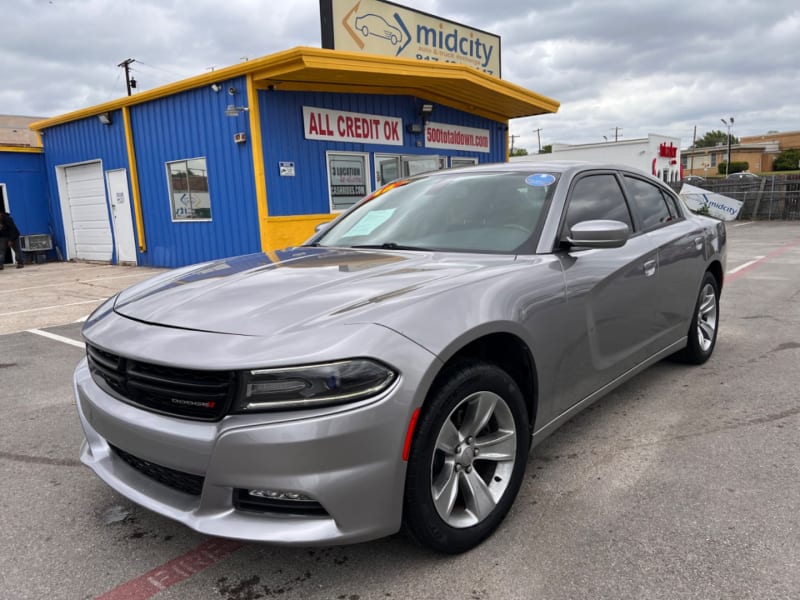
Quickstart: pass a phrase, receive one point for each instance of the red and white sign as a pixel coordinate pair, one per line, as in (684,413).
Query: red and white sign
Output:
(341,126)
(455,137)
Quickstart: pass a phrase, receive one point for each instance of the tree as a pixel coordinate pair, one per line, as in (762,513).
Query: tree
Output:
(519,152)
(788,160)
(546,149)
(715,138)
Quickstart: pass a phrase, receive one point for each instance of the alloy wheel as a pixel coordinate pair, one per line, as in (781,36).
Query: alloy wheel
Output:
(473,460)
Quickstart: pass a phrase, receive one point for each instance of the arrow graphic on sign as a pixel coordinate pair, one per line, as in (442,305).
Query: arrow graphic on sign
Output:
(350,30)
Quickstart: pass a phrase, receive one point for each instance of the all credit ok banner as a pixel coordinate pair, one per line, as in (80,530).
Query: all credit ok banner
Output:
(341,126)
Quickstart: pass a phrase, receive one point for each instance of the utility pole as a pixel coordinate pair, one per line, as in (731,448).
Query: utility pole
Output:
(129,81)
(538,133)
(513,137)
(616,133)
(694,141)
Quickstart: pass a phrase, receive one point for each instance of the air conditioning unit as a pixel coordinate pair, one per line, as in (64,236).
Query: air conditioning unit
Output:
(36,242)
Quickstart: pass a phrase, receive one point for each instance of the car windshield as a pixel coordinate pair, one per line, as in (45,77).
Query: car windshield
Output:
(495,212)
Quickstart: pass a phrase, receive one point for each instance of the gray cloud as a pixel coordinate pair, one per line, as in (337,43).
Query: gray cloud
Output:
(642,65)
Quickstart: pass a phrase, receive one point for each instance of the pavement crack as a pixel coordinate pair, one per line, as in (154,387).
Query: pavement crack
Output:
(791,412)
(41,460)
(786,346)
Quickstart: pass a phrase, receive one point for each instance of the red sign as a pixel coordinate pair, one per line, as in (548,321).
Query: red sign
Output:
(666,151)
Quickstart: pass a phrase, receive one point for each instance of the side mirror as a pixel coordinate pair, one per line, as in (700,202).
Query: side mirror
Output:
(599,234)
(321,227)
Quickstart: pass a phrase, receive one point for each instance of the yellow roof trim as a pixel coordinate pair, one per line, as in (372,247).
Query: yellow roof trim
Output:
(28,149)
(458,86)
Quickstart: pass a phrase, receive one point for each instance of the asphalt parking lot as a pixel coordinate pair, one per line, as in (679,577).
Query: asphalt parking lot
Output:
(683,483)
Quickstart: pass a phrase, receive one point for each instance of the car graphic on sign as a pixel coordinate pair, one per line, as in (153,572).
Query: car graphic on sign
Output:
(372,24)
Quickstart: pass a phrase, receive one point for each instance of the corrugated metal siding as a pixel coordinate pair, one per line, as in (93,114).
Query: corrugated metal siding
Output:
(193,124)
(76,142)
(26,190)
(307,191)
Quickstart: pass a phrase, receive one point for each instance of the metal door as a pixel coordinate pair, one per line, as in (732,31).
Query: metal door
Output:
(122,221)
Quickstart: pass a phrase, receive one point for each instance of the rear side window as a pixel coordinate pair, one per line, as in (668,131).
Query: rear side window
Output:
(597,197)
(650,203)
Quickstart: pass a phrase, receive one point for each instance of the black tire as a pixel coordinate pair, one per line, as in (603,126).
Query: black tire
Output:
(457,405)
(702,337)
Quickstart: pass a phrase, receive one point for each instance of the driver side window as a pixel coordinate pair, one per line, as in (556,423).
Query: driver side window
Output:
(596,197)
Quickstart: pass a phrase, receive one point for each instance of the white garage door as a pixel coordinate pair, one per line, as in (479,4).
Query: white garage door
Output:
(86,197)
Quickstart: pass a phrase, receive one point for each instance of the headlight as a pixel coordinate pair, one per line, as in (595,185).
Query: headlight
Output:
(313,385)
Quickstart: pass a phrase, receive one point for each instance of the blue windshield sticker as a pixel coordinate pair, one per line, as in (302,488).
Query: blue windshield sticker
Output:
(540,179)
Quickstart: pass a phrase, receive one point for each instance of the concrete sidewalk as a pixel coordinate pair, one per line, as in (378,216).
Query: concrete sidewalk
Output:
(57,293)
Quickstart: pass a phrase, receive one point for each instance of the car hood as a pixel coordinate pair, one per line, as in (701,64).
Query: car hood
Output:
(305,287)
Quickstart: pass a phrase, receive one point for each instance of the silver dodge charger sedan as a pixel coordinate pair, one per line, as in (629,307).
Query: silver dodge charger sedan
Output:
(396,369)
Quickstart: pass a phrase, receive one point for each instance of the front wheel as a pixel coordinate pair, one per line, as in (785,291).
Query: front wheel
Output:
(705,324)
(468,458)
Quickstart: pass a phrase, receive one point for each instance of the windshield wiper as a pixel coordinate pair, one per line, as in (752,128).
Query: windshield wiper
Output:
(393,246)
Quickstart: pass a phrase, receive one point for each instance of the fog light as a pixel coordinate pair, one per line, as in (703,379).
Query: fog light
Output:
(279,495)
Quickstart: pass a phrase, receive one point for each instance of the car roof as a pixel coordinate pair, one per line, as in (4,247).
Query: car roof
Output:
(565,167)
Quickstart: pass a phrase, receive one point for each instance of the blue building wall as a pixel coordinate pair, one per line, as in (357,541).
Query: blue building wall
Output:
(193,124)
(78,142)
(187,125)
(26,191)
(283,135)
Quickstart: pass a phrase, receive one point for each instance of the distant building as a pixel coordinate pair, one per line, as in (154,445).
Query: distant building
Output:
(14,132)
(658,155)
(758,151)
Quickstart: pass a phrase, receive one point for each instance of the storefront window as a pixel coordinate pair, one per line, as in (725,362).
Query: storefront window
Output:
(188,190)
(387,168)
(348,178)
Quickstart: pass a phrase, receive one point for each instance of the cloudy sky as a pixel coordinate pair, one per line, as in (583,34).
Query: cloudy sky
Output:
(643,66)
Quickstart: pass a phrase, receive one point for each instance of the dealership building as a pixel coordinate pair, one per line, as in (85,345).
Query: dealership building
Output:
(252,157)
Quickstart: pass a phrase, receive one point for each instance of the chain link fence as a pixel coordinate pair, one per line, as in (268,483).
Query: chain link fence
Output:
(769,198)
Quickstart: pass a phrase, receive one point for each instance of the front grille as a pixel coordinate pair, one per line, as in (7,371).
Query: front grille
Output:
(177,480)
(204,395)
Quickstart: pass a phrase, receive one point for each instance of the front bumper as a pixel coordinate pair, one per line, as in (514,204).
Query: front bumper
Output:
(349,459)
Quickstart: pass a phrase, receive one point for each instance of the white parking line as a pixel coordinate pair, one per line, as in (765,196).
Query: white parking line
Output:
(745,265)
(58,338)
(27,310)
(743,224)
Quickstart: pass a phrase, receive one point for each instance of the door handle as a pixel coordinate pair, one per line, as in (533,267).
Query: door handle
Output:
(650,268)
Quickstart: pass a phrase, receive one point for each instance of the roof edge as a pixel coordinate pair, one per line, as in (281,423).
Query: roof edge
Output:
(272,65)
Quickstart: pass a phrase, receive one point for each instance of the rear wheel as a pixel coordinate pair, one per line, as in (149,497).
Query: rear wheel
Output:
(468,458)
(705,324)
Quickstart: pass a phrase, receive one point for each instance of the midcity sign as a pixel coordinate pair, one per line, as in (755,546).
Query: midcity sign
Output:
(380,27)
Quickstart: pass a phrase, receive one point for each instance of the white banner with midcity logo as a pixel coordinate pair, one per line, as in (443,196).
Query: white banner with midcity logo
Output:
(719,206)
(341,126)
(455,137)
